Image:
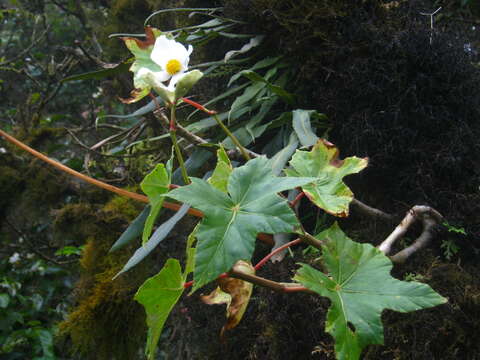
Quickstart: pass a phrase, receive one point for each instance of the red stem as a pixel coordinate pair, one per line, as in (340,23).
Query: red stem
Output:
(198,106)
(295,289)
(297,199)
(266,238)
(276,251)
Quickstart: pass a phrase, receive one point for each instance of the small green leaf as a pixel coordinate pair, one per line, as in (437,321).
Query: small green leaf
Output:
(360,287)
(280,159)
(277,90)
(190,252)
(188,80)
(45,338)
(248,94)
(219,178)
(328,192)
(254,42)
(303,128)
(232,221)
(69,250)
(158,295)
(155,185)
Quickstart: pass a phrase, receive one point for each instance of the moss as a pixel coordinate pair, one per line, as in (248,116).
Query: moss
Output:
(122,207)
(106,323)
(39,136)
(102,304)
(11,184)
(76,220)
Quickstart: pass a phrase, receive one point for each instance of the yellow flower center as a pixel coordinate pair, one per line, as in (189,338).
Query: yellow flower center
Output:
(173,66)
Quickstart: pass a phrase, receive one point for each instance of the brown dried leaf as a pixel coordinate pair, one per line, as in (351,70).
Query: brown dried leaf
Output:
(235,293)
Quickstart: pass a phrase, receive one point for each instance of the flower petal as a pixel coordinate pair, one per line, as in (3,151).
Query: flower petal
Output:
(166,49)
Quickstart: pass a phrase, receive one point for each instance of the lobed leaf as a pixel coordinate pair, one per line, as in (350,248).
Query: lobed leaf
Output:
(232,220)
(360,287)
(328,192)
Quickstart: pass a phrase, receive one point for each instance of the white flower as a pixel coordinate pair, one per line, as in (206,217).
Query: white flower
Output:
(14,258)
(172,57)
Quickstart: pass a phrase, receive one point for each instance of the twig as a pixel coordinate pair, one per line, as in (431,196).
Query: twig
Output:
(371,212)
(90,149)
(90,180)
(295,201)
(34,248)
(178,151)
(429,217)
(27,49)
(266,238)
(232,137)
(311,240)
(191,137)
(432,15)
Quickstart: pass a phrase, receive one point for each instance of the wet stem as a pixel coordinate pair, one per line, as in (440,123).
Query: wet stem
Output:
(232,137)
(221,124)
(178,153)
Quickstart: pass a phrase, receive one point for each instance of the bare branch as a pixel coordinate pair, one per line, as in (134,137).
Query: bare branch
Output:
(27,49)
(371,212)
(429,217)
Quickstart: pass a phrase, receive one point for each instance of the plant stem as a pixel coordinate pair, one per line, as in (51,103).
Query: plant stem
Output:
(232,137)
(173,136)
(276,286)
(297,199)
(311,240)
(276,251)
(266,238)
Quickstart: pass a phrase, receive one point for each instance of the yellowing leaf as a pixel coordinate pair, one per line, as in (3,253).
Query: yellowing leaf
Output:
(142,50)
(328,192)
(235,293)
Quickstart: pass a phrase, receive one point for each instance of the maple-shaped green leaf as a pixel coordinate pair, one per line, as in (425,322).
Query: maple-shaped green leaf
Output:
(360,286)
(143,66)
(232,220)
(158,295)
(154,185)
(219,178)
(328,192)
